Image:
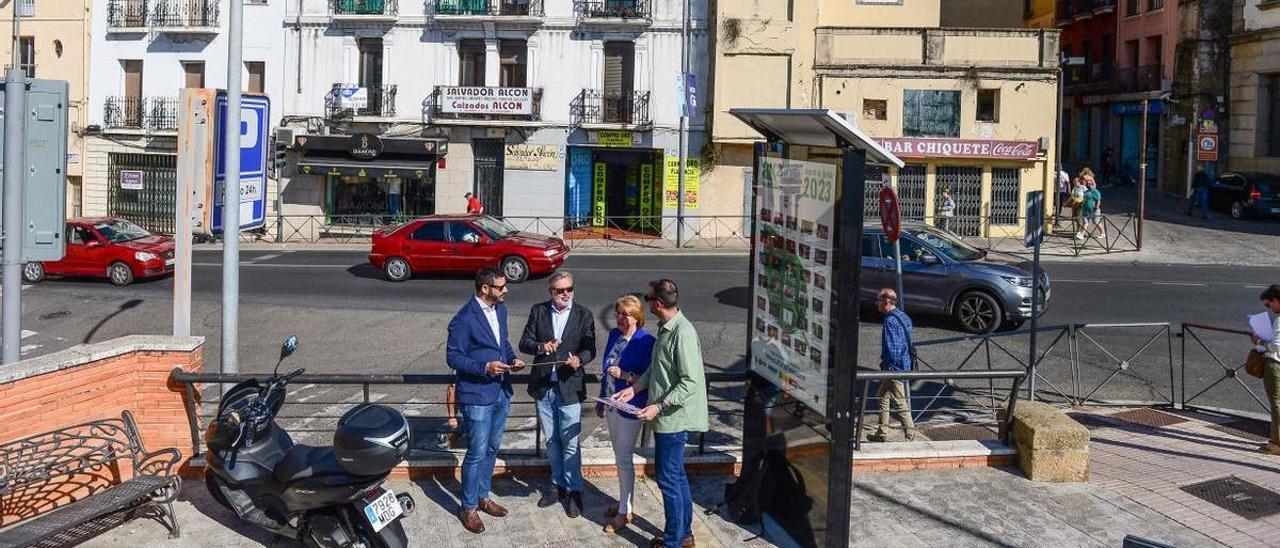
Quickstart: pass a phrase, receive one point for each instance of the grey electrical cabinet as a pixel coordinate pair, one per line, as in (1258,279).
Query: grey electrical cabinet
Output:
(44,190)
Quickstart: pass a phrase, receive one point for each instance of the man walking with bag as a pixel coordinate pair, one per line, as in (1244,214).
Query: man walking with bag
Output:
(1270,351)
(677,394)
(561,335)
(895,355)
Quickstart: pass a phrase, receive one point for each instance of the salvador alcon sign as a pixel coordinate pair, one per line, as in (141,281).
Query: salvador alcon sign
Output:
(486,100)
(961,148)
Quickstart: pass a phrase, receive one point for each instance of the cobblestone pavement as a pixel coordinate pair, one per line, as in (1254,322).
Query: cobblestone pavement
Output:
(1150,465)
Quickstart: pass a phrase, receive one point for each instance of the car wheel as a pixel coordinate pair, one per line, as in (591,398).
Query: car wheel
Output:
(978,312)
(1237,210)
(397,269)
(515,269)
(120,274)
(33,273)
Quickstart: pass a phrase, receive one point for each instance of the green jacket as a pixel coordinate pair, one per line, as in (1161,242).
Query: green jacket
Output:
(676,378)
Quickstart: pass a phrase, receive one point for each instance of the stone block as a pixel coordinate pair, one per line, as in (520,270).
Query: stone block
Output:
(1051,446)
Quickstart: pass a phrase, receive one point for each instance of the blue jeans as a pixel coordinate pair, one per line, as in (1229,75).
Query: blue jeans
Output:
(1200,197)
(561,424)
(483,425)
(677,500)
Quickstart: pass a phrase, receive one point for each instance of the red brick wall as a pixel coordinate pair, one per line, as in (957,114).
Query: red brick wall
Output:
(133,380)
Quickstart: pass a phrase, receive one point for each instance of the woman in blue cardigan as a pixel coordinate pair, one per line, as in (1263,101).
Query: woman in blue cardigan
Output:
(627,356)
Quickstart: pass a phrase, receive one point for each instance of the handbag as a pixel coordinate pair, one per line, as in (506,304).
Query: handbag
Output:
(1254,362)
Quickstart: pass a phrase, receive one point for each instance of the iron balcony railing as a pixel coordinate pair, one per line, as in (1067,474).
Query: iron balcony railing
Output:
(1142,78)
(435,107)
(1093,76)
(613,9)
(127,14)
(500,8)
(593,106)
(143,113)
(380,101)
(363,7)
(185,14)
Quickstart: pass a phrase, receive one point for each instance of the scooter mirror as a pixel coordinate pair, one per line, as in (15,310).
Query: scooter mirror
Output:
(290,345)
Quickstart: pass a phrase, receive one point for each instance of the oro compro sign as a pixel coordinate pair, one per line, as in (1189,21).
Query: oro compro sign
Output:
(485,100)
(790,339)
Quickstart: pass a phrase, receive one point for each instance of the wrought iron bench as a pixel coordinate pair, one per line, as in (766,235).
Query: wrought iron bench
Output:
(60,483)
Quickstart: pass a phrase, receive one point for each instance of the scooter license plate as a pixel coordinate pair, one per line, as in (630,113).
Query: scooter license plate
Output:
(383,510)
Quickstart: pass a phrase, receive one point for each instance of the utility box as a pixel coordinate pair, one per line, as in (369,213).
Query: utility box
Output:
(44,191)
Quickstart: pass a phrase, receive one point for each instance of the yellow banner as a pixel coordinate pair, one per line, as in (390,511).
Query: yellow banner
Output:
(614,138)
(598,195)
(671,182)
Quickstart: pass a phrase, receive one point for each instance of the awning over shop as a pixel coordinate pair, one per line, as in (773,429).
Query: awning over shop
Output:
(367,155)
(813,127)
(326,166)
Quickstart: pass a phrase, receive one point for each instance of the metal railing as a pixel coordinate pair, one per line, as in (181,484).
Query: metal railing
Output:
(594,106)
(185,14)
(433,107)
(943,379)
(309,416)
(127,14)
(363,7)
(1221,383)
(494,8)
(380,101)
(1141,78)
(640,10)
(143,113)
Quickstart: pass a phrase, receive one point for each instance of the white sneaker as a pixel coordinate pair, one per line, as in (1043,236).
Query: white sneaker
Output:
(1079,236)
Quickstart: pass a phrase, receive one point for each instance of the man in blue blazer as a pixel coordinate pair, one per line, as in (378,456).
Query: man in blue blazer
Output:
(478,350)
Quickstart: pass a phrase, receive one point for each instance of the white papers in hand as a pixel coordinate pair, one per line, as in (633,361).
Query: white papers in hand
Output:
(1260,325)
(619,405)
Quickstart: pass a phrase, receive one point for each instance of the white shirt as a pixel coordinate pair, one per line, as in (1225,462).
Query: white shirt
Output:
(491,314)
(559,319)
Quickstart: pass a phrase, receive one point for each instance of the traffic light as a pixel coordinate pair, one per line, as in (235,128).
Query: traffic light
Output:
(281,149)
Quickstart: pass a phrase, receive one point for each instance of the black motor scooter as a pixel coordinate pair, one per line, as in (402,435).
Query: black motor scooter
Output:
(322,496)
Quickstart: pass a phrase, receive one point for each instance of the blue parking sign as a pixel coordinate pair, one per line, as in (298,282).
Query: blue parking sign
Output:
(255,122)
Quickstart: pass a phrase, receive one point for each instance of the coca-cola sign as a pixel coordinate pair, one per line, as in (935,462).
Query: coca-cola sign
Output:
(961,148)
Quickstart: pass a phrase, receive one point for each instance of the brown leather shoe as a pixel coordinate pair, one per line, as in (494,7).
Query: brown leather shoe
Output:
(471,521)
(492,508)
(688,543)
(618,523)
(658,543)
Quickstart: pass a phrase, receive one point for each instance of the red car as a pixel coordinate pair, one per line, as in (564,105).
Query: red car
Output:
(464,243)
(107,247)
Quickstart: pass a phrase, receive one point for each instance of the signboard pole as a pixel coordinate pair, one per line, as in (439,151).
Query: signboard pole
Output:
(15,105)
(1034,230)
(684,122)
(1142,174)
(231,194)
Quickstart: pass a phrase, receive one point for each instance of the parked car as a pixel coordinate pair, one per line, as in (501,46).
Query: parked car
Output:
(1246,194)
(942,275)
(464,243)
(107,247)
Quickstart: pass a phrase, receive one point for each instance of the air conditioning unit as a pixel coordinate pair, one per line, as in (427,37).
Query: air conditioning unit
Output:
(287,136)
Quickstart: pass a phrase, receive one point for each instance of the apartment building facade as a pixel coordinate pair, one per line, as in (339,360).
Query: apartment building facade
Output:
(1254,137)
(558,114)
(143,52)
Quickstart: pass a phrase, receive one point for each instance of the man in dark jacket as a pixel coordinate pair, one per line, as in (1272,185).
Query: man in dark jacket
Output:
(1199,194)
(479,351)
(895,355)
(561,336)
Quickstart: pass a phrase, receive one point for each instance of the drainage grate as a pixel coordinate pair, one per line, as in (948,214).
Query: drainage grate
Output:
(1148,417)
(1244,428)
(1092,421)
(1238,496)
(956,432)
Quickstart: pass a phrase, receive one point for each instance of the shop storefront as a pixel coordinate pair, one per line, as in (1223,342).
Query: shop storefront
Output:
(369,180)
(614,188)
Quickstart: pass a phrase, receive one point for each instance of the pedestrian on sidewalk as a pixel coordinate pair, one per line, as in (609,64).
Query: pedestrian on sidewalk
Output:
(626,357)
(1064,193)
(474,207)
(1271,369)
(677,405)
(946,209)
(561,337)
(895,355)
(1078,190)
(480,353)
(1091,209)
(1199,194)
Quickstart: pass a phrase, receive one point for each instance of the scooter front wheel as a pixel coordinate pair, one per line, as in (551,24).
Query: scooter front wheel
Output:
(211,482)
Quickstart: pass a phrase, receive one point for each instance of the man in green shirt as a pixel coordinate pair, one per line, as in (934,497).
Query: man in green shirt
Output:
(677,388)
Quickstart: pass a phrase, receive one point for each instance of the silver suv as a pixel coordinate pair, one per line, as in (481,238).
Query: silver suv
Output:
(941,274)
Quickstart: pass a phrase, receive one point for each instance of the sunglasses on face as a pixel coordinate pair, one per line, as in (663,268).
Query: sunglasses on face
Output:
(502,287)
(562,290)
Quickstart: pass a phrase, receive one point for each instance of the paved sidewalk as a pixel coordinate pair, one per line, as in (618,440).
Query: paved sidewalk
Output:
(1151,464)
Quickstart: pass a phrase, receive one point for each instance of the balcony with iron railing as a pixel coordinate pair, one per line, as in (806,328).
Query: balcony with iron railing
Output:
(1070,11)
(594,107)
(363,10)
(126,15)
(158,114)
(1095,77)
(1140,79)
(489,10)
(347,100)
(639,12)
(185,16)
(501,105)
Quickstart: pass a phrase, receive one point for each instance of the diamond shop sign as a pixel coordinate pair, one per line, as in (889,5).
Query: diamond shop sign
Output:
(486,100)
(961,148)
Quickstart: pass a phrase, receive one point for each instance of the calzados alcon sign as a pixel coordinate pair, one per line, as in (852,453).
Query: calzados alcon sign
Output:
(482,100)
